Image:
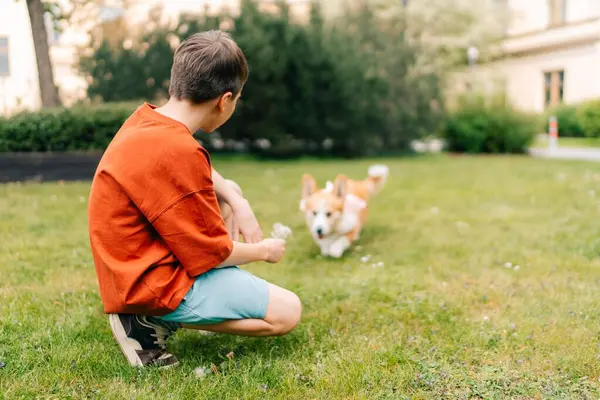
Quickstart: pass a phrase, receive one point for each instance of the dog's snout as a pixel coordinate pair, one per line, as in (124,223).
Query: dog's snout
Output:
(319,231)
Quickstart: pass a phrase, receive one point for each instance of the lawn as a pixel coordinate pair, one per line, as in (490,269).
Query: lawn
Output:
(489,289)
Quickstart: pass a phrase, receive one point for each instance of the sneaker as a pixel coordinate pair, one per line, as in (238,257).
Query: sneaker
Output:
(143,339)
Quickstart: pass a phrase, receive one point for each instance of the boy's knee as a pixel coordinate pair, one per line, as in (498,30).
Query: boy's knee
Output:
(290,316)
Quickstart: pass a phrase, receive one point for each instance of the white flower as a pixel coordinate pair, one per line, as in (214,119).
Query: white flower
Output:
(508,265)
(418,146)
(218,143)
(462,225)
(200,372)
(435,210)
(486,318)
(366,258)
(517,267)
(263,143)
(281,231)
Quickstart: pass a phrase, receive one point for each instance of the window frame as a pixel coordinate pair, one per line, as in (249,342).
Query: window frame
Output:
(554,87)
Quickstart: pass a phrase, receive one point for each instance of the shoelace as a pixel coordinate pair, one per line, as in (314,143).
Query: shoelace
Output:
(161,331)
(161,335)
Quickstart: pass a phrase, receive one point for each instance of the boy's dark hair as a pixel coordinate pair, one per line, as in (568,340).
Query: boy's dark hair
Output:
(207,65)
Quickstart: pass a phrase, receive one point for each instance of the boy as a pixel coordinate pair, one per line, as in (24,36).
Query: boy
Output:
(164,225)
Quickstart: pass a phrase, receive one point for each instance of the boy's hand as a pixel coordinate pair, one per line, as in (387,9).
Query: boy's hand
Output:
(246,222)
(274,250)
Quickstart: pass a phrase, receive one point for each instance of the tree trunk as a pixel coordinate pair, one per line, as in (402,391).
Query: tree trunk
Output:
(48,90)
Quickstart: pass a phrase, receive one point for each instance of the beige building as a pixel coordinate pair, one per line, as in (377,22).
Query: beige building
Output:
(551,53)
(19,88)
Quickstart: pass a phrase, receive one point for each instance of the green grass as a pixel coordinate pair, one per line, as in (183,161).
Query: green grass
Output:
(444,317)
(542,142)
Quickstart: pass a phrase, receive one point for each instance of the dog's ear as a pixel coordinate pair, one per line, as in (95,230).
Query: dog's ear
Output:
(340,186)
(309,186)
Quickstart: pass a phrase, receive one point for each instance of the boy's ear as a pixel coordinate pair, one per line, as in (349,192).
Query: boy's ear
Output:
(222,101)
(309,186)
(340,186)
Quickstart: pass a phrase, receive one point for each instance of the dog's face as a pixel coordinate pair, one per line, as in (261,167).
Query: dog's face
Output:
(323,208)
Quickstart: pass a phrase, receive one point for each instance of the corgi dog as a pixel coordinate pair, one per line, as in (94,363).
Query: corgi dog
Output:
(335,215)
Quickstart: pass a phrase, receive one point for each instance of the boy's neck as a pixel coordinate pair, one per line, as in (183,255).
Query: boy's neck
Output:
(193,116)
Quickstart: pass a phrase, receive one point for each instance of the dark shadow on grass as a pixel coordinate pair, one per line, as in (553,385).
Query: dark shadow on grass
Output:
(200,349)
(370,235)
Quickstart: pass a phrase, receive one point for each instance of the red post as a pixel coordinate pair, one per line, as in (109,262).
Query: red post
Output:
(553,132)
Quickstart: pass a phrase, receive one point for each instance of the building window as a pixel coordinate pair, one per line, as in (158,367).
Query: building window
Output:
(4,65)
(554,82)
(558,12)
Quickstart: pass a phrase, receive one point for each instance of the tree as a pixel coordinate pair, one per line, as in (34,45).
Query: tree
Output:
(73,11)
(408,97)
(48,89)
(447,28)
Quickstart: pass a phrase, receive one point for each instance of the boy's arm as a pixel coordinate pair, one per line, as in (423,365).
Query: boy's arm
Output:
(270,250)
(245,253)
(242,212)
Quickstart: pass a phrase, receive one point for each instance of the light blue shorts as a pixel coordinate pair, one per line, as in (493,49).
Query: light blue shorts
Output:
(222,294)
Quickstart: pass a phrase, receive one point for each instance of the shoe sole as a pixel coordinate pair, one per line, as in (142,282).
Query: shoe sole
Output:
(124,342)
(128,346)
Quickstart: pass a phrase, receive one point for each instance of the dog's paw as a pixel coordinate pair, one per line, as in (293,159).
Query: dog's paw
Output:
(336,253)
(324,250)
(338,248)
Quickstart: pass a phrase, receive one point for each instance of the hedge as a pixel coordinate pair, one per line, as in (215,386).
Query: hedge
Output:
(477,127)
(65,129)
(569,123)
(588,115)
(88,128)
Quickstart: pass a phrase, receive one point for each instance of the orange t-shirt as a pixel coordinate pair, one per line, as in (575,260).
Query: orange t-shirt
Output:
(154,218)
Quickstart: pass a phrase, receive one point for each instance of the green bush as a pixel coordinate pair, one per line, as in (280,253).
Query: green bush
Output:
(569,124)
(477,127)
(77,128)
(589,118)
